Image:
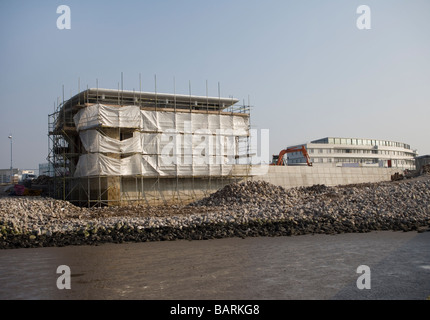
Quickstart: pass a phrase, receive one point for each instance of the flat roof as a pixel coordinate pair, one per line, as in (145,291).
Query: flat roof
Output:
(161,100)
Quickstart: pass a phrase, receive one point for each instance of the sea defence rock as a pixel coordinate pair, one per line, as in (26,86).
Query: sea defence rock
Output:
(425,169)
(252,208)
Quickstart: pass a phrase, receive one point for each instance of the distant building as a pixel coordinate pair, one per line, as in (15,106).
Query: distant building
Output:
(356,152)
(422,161)
(46,169)
(5,175)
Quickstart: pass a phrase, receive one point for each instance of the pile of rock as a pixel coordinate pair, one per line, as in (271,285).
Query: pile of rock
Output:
(397,176)
(253,208)
(245,193)
(316,189)
(425,169)
(41,180)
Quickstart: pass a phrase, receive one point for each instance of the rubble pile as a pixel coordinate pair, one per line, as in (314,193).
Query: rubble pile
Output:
(41,180)
(246,209)
(245,193)
(425,169)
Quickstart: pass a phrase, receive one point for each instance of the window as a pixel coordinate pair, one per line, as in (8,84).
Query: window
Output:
(126,135)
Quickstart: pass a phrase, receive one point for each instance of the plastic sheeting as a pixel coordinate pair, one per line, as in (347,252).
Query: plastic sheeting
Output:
(99,115)
(203,143)
(94,141)
(164,143)
(157,154)
(94,164)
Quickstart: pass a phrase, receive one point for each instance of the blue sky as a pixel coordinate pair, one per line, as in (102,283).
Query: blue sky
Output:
(308,70)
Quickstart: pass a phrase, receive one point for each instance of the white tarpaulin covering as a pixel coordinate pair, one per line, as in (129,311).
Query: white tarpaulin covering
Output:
(99,115)
(163,143)
(94,141)
(201,143)
(94,164)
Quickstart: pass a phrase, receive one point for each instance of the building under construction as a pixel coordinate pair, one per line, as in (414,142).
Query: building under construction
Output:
(116,147)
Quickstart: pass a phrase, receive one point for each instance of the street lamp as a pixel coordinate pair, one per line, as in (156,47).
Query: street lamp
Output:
(11,166)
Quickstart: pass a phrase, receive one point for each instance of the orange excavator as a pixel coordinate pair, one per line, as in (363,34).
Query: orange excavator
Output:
(279,160)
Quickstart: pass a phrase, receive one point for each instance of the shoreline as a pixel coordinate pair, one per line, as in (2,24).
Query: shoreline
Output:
(241,210)
(200,232)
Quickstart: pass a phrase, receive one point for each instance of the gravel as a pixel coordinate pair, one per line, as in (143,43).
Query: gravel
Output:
(252,208)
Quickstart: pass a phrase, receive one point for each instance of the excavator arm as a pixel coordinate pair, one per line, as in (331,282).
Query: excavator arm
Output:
(301,149)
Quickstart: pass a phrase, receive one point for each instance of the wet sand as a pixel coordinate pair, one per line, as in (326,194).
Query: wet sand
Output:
(276,268)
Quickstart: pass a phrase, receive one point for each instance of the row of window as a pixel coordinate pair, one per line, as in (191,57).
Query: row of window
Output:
(330,160)
(350,160)
(365,142)
(4,178)
(360,151)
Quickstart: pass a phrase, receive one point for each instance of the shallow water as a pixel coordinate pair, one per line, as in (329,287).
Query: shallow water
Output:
(297,267)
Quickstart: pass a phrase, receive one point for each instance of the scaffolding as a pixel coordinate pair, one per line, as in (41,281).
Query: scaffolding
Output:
(108,147)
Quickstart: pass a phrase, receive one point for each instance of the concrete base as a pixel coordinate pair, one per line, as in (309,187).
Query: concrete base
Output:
(298,176)
(185,190)
(165,191)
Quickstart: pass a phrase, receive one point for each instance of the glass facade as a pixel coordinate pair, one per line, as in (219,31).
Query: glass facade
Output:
(334,151)
(365,142)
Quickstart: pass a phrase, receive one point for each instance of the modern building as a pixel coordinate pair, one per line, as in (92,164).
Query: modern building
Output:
(18,175)
(5,175)
(117,147)
(356,152)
